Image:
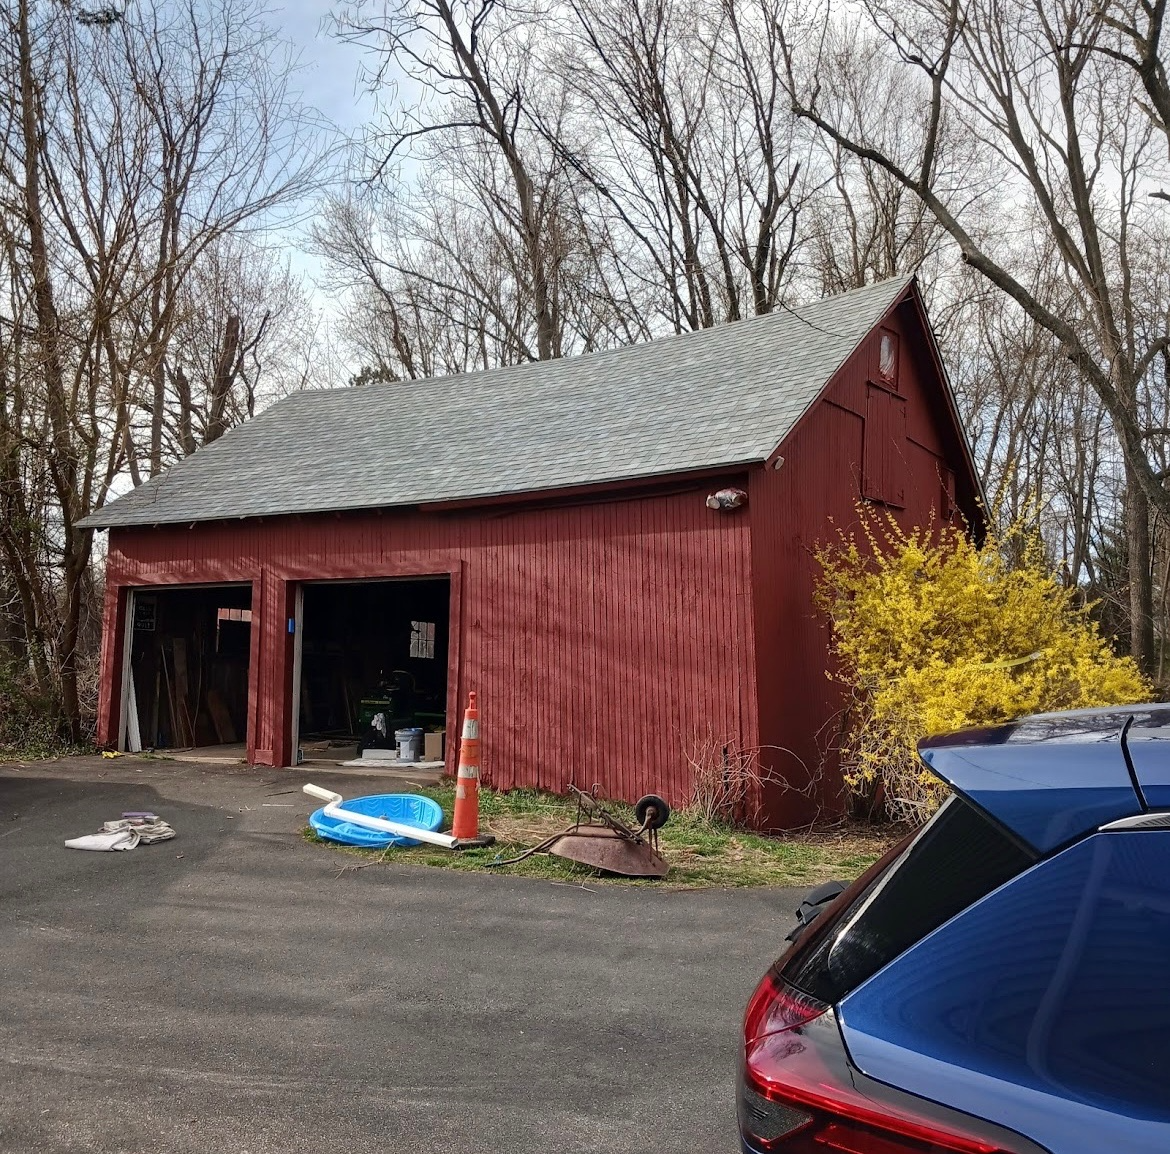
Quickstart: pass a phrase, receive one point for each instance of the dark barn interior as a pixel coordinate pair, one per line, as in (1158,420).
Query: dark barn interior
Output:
(189,662)
(373,650)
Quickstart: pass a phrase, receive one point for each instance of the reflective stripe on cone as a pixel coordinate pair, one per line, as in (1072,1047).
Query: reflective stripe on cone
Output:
(465,824)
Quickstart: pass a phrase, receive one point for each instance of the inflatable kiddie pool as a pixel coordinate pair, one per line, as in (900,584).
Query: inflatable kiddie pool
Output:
(406,808)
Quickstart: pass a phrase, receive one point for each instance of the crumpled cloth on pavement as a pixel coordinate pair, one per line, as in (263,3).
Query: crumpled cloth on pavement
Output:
(149,827)
(125,833)
(110,839)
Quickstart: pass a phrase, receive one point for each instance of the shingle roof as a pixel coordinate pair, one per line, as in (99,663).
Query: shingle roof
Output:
(702,400)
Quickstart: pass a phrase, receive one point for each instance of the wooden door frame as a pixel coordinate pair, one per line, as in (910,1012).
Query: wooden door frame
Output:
(454,578)
(154,588)
(298,619)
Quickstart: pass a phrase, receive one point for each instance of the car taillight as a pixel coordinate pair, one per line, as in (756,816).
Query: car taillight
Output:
(777,1006)
(797,1095)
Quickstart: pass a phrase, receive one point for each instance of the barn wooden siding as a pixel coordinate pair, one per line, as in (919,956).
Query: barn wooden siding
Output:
(608,639)
(802,505)
(601,638)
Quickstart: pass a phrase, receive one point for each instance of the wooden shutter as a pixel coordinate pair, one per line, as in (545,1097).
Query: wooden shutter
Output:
(948,493)
(884,466)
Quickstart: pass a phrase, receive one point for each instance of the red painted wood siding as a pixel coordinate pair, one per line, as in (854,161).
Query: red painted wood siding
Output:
(599,636)
(884,452)
(605,638)
(802,505)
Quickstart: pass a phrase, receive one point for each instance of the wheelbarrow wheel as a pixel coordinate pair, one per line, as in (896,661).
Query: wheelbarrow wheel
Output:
(658,818)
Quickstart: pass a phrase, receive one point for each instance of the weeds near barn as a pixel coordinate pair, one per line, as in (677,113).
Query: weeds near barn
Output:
(728,781)
(702,852)
(30,721)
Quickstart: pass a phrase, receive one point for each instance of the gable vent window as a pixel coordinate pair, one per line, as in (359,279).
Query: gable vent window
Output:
(422,639)
(888,358)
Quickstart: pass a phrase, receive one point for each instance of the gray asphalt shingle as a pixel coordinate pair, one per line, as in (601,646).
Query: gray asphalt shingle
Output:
(708,399)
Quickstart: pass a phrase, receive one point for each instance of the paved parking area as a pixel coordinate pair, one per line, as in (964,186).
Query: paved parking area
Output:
(227,992)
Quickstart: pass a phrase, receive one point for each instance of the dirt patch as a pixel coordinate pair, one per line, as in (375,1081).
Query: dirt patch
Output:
(851,838)
(523,830)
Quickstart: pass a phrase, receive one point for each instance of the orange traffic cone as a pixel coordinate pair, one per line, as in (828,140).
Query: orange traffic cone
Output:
(465,826)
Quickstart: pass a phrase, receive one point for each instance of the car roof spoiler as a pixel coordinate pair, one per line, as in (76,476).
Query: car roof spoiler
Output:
(1050,778)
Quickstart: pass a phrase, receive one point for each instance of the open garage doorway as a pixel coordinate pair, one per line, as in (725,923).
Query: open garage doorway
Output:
(373,659)
(186,681)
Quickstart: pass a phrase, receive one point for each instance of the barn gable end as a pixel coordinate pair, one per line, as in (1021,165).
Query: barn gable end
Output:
(891,439)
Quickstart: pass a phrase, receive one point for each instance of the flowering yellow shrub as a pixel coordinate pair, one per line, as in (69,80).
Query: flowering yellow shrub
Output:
(932,634)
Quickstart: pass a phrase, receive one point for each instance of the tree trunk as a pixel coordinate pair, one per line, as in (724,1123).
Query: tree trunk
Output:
(70,631)
(63,464)
(226,368)
(186,412)
(157,405)
(1141,584)
(31,635)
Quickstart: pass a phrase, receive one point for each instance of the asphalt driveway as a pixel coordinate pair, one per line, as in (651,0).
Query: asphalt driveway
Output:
(227,992)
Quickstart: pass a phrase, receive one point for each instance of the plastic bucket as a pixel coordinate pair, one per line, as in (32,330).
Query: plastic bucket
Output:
(409,744)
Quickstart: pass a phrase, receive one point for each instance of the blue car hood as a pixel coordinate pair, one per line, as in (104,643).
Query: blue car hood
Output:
(1053,777)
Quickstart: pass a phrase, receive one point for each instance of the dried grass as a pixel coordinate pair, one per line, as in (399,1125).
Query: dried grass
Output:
(526,830)
(728,781)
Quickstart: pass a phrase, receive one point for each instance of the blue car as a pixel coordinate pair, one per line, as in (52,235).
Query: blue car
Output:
(999,981)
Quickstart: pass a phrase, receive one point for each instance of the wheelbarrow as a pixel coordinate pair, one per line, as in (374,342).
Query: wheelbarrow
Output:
(600,839)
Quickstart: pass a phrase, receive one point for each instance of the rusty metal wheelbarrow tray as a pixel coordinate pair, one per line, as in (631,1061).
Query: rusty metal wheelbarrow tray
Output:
(606,849)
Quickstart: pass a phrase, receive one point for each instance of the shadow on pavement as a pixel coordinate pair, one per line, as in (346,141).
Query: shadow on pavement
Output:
(37,815)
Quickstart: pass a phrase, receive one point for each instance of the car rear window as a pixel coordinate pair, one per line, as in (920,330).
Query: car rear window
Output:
(959,856)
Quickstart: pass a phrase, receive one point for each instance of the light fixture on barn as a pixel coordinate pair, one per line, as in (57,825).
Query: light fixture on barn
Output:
(727,499)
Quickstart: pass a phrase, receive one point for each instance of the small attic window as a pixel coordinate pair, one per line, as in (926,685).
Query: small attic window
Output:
(222,615)
(888,357)
(422,639)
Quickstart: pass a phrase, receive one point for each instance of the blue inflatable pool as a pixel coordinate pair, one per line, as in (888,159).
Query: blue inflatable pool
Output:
(408,808)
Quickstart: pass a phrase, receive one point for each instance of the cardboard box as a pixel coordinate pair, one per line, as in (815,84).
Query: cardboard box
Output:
(433,746)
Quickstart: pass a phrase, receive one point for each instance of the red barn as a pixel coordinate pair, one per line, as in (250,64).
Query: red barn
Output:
(546,534)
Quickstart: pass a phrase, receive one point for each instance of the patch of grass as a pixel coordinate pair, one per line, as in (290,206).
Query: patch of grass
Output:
(41,747)
(700,854)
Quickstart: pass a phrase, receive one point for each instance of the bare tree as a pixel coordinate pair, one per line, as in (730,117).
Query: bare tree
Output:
(245,336)
(25,485)
(677,128)
(863,224)
(128,146)
(1028,86)
(1138,28)
(1044,447)
(468,58)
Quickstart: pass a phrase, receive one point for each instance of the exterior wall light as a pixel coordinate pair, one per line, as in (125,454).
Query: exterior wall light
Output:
(727,499)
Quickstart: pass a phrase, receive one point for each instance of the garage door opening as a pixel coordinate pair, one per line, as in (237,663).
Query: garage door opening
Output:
(373,659)
(189,654)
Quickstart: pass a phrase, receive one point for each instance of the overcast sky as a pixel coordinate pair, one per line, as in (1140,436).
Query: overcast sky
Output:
(328,82)
(329,77)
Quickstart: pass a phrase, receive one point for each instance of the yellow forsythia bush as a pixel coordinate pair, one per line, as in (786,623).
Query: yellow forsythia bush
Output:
(929,632)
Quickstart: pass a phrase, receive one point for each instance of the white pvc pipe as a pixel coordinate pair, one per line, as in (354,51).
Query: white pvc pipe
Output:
(333,808)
